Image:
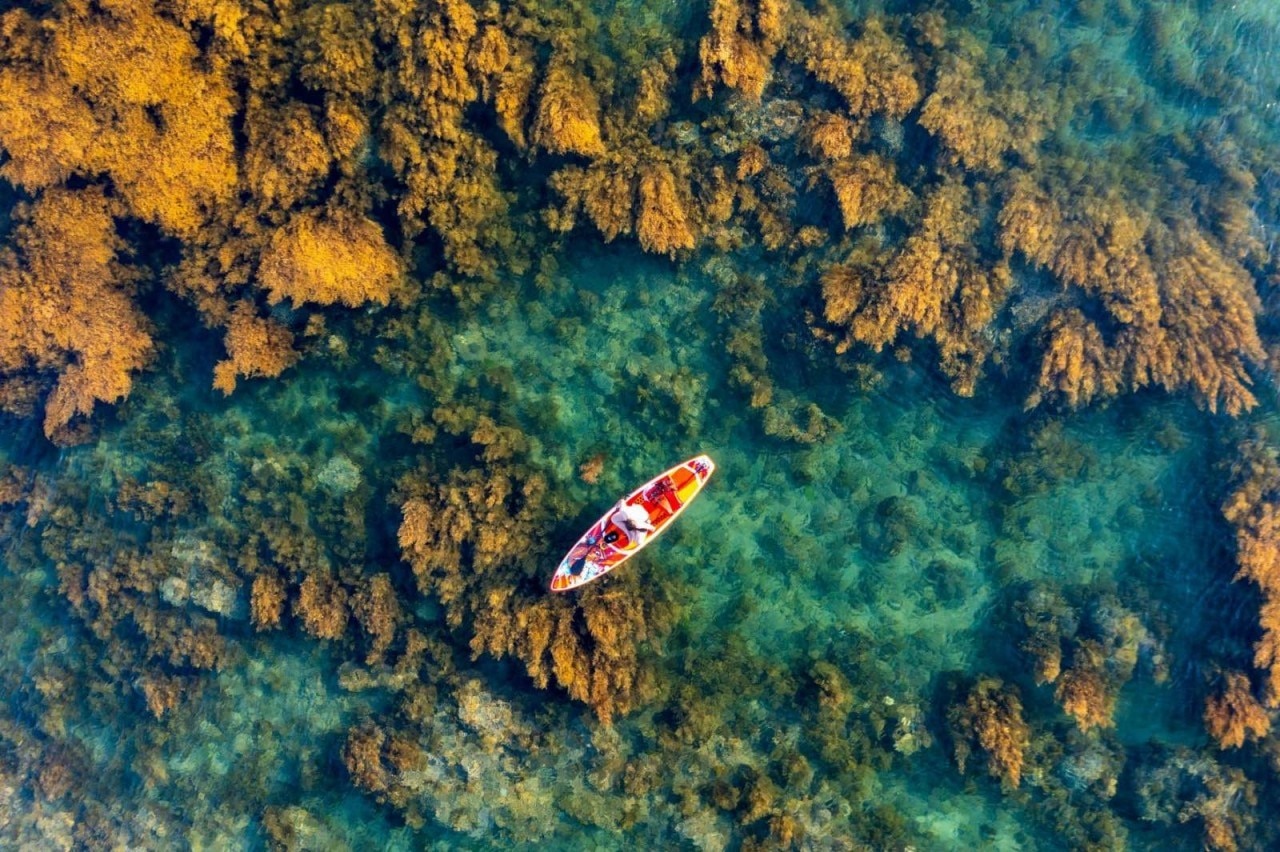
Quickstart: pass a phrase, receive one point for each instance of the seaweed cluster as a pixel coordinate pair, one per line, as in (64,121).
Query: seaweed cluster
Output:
(382,140)
(588,644)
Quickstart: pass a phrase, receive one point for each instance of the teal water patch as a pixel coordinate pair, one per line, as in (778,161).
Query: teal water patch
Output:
(843,581)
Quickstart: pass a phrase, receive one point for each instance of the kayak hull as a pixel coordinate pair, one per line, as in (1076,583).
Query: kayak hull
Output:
(606,546)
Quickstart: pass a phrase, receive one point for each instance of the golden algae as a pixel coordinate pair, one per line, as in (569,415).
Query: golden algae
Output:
(122,91)
(568,117)
(1234,714)
(66,306)
(255,347)
(587,646)
(739,47)
(989,716)
(1187,311)
(328,260)
(936,287)
(1251,510)
(873,72)
(976,125)
(670,190)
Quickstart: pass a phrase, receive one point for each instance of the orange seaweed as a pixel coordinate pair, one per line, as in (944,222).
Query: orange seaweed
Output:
(255,347)
(329,259)
(1187,310)
(66,306)
(460,537)
(990,719)
(662,225)
(739,48)
(1253,509)
(866,189)
(120,92)
(1233,715)
(322,606)
(568,116)
(266,601)
(1082,688)
(935,287)
(377,610)
(873,72)
(977,120)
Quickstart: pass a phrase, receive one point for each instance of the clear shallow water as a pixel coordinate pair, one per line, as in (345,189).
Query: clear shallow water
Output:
(902,539)
(851,570)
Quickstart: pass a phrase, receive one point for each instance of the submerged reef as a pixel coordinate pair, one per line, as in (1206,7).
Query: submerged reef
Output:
(325,327)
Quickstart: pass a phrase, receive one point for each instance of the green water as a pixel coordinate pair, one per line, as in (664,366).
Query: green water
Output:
(895,547)
(871,545)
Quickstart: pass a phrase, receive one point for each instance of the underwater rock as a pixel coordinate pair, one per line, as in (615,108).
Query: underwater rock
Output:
(909,731)
(1179,785)
(707,830)
(891,526)
(201,584)
(475,765)
(175,591)
(339,476)
(1088,651)
(1091,767)
(775,120)
(217,597)
(296,828)
(948,581)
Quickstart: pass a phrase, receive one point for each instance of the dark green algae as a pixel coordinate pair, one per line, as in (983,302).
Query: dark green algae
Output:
(870,546)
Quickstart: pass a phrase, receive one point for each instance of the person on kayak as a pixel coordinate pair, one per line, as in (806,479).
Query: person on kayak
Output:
(632,520)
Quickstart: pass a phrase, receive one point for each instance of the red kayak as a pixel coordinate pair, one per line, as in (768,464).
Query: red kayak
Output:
(612,540)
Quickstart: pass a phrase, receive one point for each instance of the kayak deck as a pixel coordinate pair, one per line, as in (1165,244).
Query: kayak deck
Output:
(606,546)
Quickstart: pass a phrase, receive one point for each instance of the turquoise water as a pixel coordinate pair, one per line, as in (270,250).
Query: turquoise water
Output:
(895,547)
(789,666)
